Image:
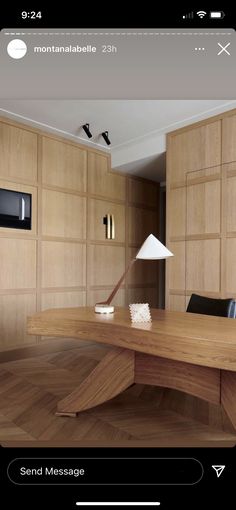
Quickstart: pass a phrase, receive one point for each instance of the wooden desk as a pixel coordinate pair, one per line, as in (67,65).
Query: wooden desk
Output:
(189,352)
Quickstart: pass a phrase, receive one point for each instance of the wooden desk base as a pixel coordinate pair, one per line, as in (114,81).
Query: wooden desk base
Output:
(121,368)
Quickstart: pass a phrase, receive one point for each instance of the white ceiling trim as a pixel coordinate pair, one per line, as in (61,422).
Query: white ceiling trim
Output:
(180,123)
(130,141)
(52,129)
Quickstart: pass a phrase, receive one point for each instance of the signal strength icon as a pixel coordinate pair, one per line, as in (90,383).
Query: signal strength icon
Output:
(190,15)
(201,14)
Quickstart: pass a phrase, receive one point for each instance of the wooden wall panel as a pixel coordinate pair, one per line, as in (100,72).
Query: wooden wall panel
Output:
(97,296)
(143,271)
(196,166)
(177,206)
(108,263)
(228,139)
(177,265)
(63,264)
(187,299)
(63,299)
(63,165)
(203,265)
(177,303)
(204,208)
(63,215)
(201,168)
(65,259)
(142,192)
(230,266)
(103,183)
(97,210)
(231,204)
(143,295)
(18,153)
(142,210)
(205,175)
(18,263)
(142,222)
(194,149)
(14,312)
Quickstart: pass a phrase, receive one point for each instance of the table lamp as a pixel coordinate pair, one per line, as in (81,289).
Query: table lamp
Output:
(151,249)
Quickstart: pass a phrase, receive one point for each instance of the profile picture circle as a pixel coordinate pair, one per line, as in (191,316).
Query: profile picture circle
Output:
(16,49)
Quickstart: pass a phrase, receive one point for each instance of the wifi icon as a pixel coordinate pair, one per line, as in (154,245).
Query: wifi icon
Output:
(201,14)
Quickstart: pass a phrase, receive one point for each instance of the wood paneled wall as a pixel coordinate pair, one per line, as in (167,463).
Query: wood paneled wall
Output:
(201,210)
(66,260)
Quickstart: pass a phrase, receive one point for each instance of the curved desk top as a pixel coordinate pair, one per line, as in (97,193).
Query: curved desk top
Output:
(199,339)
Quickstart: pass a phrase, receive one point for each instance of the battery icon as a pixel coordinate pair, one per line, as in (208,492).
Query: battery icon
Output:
(217,14)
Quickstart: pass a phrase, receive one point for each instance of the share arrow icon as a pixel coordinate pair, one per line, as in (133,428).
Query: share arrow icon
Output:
(219,470)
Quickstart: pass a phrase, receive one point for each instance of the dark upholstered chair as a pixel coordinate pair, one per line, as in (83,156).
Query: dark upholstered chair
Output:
(210,306)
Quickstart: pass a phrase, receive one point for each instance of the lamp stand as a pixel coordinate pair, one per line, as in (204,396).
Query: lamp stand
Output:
(105,306)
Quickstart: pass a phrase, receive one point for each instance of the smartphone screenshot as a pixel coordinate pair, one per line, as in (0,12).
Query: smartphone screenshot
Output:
(117,257)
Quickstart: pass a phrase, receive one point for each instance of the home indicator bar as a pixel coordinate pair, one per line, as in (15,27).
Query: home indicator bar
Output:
(118,503)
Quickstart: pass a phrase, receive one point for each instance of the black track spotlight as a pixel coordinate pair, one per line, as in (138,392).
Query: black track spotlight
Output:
(105,136)
(87,130)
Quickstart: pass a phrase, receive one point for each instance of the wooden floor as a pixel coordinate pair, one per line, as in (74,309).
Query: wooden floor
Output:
(30,389)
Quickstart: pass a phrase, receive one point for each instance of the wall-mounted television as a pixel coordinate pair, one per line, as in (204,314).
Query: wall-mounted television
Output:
(15,209)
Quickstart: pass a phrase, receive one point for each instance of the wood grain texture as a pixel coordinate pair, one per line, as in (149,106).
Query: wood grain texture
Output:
(228,139)
(231,205)
(63,165)
(203,382)
(18,153)
(177,302)
(20,254)
(63,264)
(230,169)
(203,265)
(194,149)
(63,215)
(177,206)
(143,294)
(208,230)
(107,264)
(143,271)
(114,374)
(230,264)
(30,388)
(101,181)
(97,296)
(176,265)
(198,339)
(142,222)
(210,174)
(201,216)
(63,299)
(13,317)
(228,394)
(58,258)
(142,192)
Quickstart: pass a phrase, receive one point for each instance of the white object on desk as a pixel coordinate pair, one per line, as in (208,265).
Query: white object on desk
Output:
(140,312)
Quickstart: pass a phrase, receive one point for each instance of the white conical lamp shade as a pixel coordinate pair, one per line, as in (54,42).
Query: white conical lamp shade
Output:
(153,249)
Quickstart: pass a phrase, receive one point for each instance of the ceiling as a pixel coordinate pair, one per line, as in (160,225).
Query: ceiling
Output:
(150,168)
(131,124)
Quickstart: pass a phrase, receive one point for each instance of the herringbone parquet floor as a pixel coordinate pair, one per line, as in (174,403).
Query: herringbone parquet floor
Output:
(30,389)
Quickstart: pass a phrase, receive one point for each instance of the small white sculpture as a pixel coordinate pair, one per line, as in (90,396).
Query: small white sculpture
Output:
(140,312)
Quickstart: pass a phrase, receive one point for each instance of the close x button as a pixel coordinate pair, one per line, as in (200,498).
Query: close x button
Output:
(224,48)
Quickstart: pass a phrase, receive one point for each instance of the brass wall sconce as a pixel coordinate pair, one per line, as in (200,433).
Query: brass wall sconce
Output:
(109,221)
